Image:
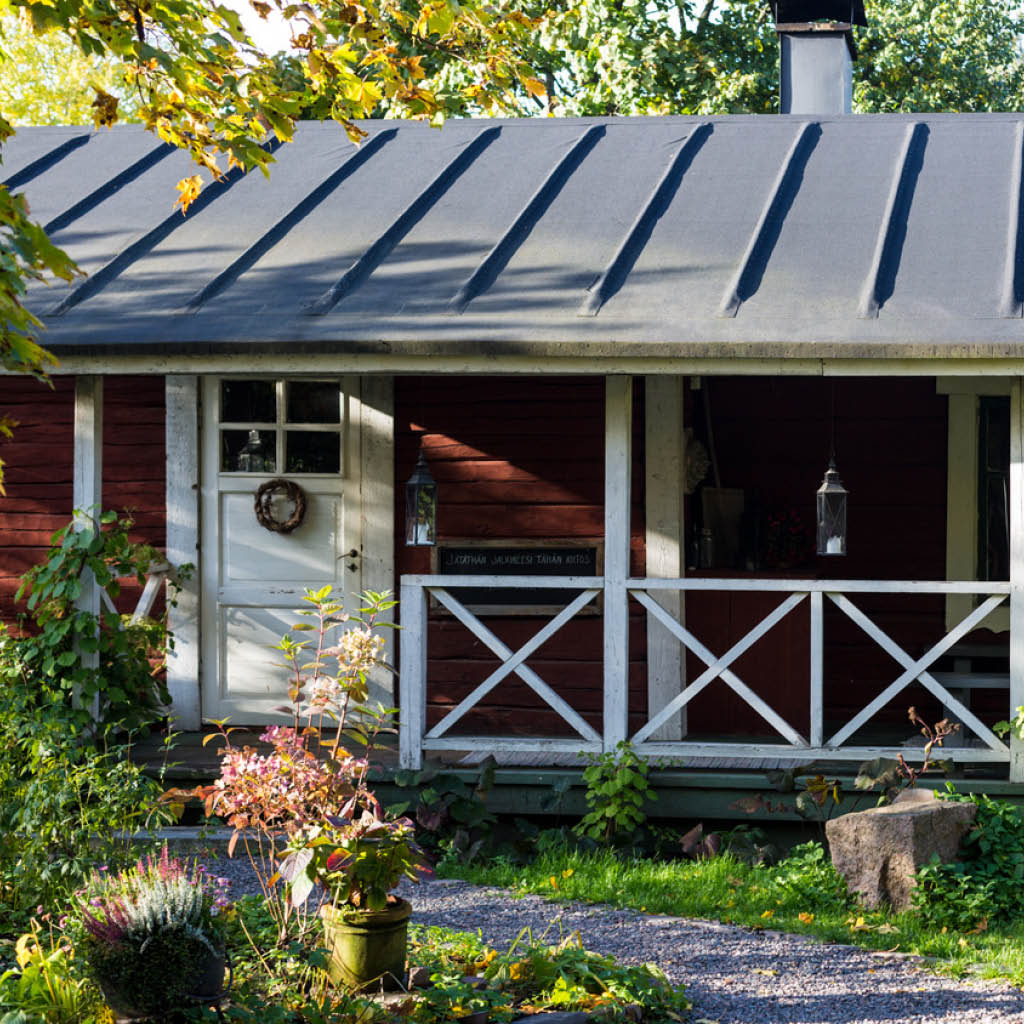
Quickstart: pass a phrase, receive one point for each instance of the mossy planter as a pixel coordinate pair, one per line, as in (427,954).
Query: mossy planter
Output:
(367,947)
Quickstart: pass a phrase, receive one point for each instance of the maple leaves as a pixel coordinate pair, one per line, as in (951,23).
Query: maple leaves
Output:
(105,108)
(202,85)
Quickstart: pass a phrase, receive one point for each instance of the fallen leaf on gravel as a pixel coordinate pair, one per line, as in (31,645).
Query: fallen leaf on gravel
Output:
(705,1020)
(766,970)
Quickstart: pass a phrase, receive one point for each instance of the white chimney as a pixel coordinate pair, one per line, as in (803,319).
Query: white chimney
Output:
(816,54)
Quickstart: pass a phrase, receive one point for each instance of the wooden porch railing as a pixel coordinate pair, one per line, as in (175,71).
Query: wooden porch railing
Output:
(415,738)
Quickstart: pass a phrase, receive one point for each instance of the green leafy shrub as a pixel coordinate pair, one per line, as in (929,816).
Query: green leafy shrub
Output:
(566,976)
(70,795)
(45,986)
(451,814)
(986,883)
(126,684)
(560,976)
(808,869)
(617,789)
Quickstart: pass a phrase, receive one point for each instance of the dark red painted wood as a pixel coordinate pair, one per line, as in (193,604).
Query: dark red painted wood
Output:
(772,437)
(517,459)
(39,470)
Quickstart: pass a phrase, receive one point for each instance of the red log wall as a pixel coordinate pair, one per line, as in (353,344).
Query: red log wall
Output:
(523,459)
(38,467)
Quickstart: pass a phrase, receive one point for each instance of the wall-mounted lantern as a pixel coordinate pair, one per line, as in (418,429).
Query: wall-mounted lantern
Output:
(421,506)
(832,513)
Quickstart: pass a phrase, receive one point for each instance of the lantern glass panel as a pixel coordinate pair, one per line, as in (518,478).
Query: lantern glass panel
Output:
(420,513)
(831,521)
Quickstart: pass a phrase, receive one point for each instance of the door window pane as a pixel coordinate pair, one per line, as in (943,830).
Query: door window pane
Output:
(248,401)
(248,451)
(312,452)
(313,402)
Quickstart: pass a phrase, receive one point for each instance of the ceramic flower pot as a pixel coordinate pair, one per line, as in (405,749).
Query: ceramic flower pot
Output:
(138,990)
(367,947)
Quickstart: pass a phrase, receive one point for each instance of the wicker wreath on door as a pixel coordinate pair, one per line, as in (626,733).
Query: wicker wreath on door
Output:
(264,499)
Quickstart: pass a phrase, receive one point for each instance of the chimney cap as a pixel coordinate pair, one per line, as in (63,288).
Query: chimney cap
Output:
(796,11)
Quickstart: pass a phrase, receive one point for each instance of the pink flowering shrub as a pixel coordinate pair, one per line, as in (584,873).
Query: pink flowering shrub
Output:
(285,791)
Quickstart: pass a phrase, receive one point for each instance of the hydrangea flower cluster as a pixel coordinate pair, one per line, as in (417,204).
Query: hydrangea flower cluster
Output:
(155,896)
(357,651)
(285,790)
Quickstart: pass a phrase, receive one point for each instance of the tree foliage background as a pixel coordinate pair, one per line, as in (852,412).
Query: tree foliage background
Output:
(188,71)
(721,57)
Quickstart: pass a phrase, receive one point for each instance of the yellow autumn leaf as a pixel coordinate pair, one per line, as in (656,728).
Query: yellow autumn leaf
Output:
(189,189)
(554,882)
(805,917)
(567,873)
(768,914)
(105,108)
(535,87)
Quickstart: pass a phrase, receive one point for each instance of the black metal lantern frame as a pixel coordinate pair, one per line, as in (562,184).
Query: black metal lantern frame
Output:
(421,506)
(831,500)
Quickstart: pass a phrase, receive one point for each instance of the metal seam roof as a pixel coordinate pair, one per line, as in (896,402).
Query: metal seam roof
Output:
(799,235)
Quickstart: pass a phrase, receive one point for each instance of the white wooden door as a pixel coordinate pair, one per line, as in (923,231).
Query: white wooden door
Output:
(255,430)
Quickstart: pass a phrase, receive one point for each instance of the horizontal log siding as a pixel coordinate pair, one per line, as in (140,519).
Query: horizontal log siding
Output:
(516,459)
(772,436)
(38,468)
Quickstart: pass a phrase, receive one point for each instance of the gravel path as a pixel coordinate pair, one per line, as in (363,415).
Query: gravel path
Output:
(732,975)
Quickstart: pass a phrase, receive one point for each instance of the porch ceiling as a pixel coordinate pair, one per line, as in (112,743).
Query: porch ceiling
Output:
(759,237)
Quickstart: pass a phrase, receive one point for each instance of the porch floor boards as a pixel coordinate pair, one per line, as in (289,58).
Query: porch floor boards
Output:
(191,761)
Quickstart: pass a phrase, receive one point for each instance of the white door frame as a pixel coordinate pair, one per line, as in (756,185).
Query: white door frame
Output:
(367,466)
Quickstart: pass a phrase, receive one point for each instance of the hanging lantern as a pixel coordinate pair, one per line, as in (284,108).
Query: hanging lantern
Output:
(252,458)
(421,506)
(832,513)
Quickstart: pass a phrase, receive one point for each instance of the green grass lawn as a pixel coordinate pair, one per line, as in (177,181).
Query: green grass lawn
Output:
(801,894)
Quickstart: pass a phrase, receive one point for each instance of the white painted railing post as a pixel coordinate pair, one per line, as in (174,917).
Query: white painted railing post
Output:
(664,485)
(1016,571)
(618,419)
(817,668)
(87,486)
(412,714)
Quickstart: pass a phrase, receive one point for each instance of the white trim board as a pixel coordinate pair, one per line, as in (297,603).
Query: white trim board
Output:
(962,491)
(335,363)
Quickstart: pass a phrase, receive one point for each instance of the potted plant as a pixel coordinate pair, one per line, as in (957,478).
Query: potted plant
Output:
(358,861)
(304,811)
(151,938)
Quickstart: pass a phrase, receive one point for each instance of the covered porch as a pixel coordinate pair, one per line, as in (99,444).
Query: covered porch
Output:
(797,718)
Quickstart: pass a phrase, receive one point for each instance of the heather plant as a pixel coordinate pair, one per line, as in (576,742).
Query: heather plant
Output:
(147,932)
